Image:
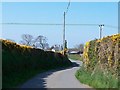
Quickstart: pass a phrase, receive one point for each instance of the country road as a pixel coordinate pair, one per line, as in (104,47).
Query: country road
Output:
(59,78)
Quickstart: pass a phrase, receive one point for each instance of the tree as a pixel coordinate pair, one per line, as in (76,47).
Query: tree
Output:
(57,47)
(27,40)
(80,47)
(41,42)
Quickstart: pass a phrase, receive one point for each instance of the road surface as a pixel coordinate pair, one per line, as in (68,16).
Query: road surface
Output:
(59,78)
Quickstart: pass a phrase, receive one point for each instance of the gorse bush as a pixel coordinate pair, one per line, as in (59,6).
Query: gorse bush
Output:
(101,63)
(105,51)
(17,59)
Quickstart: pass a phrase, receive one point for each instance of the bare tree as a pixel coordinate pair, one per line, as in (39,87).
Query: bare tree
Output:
(41,42)
(47,46)
(56,47)
(80,47)
(27,40)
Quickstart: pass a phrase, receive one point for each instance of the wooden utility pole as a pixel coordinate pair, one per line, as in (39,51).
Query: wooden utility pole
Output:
(64,35)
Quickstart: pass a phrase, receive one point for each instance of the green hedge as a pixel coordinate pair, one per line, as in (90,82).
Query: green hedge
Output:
(17,59)
(105,51)
(101,63)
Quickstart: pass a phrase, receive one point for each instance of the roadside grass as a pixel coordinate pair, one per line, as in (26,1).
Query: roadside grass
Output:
(75,57)
(97,80)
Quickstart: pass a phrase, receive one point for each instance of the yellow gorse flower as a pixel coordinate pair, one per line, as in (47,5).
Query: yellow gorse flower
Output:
(105,50)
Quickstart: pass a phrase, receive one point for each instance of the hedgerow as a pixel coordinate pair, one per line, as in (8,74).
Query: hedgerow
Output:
(101,63)
(17,59)
(105,51)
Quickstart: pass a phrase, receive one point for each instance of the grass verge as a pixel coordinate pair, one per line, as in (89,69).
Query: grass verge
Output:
(96,80)
(75,57)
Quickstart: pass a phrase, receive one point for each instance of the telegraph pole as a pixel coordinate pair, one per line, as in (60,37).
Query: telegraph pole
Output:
(64,27)
(101,29)
(64,35)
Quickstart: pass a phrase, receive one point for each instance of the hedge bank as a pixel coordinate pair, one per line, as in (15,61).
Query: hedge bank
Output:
(105,51)
(101,63)
(18,61)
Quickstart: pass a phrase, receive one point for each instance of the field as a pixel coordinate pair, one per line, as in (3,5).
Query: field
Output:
(75,57)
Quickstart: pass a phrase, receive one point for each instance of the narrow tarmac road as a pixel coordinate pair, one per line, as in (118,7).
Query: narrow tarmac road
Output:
(59,78)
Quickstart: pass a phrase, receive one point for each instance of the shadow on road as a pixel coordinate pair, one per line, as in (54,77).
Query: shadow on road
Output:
(39,81)
(74,64)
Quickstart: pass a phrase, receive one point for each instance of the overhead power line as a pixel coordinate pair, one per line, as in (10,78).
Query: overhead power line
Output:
(67,7)
(49,24)
(30,24)
(82,24)
(58,24)
(110,26)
